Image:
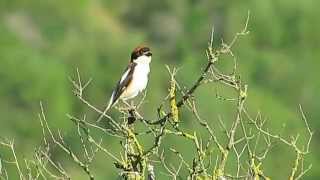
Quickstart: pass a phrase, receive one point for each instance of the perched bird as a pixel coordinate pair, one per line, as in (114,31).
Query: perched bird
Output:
(134,78)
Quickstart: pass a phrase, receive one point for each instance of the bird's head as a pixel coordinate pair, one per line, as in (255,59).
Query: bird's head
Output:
(141,54)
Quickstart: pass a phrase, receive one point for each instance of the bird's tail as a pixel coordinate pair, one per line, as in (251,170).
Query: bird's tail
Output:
(106,109)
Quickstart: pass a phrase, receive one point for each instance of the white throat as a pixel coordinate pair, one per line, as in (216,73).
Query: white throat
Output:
(143,60)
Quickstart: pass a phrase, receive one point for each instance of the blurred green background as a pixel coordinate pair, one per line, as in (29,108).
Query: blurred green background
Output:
(43,42)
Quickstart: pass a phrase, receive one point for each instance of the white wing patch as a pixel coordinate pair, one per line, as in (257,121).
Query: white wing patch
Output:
(124,75)
(110,101)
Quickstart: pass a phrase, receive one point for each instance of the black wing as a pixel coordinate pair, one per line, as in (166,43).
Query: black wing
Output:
(122,84)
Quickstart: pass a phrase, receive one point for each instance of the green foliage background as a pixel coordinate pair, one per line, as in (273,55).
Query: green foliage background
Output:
(42,43)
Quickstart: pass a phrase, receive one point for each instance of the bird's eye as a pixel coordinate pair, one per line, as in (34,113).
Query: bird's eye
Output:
(148,53)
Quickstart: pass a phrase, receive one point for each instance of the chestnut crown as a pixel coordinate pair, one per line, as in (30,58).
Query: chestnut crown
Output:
(140,51)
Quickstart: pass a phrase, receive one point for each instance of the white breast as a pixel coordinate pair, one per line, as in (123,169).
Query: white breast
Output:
(139,78)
